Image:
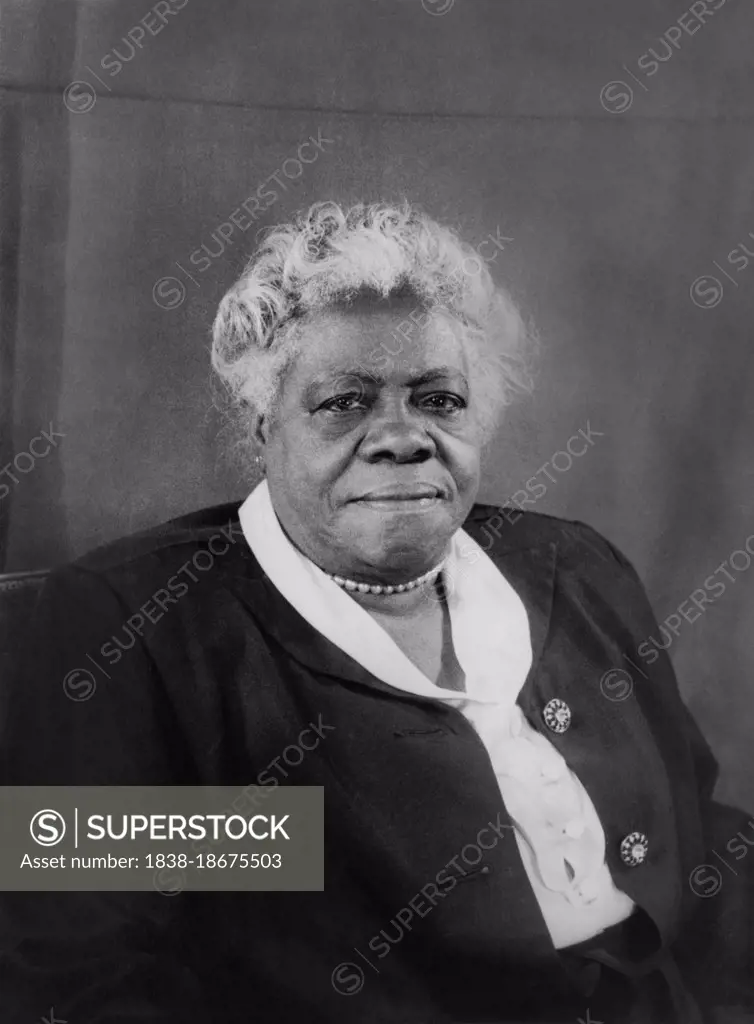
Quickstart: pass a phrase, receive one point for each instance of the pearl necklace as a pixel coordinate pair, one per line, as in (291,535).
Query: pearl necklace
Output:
(378,588)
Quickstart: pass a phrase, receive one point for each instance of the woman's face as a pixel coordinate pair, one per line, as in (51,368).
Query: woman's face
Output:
(373,450)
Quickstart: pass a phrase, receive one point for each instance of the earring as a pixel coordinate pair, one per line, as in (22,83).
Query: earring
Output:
(259,463)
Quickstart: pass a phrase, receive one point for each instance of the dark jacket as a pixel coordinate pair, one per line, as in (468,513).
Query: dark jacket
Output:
(214,685)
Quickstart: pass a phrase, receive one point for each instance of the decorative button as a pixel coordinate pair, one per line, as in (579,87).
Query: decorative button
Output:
(557,715)
(634,848)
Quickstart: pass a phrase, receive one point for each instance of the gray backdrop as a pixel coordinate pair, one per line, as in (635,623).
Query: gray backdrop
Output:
(496,115)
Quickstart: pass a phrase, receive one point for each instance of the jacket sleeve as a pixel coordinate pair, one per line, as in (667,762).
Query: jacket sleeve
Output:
(72,718)
(716,946)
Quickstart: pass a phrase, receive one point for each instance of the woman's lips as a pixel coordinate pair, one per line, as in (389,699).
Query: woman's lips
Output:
(404,503)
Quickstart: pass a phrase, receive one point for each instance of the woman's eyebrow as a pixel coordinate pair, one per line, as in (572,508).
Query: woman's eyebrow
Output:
(325,380)
(360,374)
(345,379)
(437,373)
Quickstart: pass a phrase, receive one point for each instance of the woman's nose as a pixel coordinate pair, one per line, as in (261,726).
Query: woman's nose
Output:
(399,437)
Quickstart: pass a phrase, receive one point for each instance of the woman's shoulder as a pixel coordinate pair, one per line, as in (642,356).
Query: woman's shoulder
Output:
(508,528)
(531,548)
(188,545)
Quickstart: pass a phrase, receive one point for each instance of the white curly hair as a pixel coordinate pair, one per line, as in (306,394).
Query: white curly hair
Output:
(328,257)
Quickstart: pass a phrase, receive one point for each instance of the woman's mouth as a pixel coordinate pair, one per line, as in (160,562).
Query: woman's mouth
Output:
(402,504)
(405,498)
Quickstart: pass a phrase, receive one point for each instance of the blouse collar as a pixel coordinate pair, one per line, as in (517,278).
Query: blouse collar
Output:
(489,623)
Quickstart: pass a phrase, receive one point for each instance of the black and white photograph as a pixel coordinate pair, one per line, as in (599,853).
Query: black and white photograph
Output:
(376,512)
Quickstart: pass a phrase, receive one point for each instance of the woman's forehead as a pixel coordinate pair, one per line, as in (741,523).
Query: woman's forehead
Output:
(384,340)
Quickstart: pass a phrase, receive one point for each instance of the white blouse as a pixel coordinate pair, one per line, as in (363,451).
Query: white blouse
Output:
(559,836)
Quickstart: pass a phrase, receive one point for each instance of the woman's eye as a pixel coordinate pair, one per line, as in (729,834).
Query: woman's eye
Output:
(443,402)
(342,403)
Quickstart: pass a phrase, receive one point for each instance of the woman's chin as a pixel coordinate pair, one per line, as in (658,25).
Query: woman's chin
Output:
(404,555)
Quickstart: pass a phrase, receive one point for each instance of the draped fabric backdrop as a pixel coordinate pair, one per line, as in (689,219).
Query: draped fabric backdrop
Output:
(138,142)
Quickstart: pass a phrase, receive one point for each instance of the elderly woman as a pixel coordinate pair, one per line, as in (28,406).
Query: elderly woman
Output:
(505,840)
